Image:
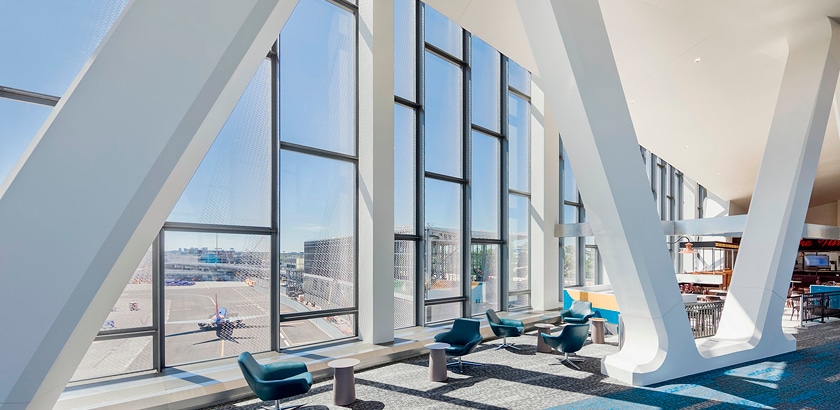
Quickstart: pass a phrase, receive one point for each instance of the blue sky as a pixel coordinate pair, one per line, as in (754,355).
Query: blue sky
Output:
(318,109)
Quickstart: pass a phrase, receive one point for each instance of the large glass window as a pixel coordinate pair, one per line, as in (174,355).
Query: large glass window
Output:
(486,186)
(405,56)
(45,57)
(404,277)
(232,186)
(444,116)
(570,191)
(443,239)
(134,307)
(449,102)
(318,225)
(519,78)
(318,77)
(233,232)
(405,171)
(322,329)
(442,32)
(519,243)
(484,278)
(216,296)
(115,356)
(446,311)
(570,264)
(520,143)
(486,85)
(591,263)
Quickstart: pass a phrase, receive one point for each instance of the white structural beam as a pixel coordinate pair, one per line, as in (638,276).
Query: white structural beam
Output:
(83,204)
(577,67)
(376,171)
(761,275)
(545,205)
(581,77)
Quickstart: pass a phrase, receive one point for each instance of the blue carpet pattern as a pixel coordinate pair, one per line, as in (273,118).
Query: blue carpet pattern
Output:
(803,379)
(525,379)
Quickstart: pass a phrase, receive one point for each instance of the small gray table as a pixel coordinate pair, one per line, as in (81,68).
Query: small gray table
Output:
(437,361)
(344,382)
(543,328)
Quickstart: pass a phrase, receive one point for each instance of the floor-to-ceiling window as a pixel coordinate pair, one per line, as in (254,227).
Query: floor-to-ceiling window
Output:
(460,120)
(260,251)
(519,185)
(444,65)
(406,157)
(317,174)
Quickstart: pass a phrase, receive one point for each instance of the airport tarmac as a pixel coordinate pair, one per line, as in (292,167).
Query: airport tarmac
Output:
(185,307)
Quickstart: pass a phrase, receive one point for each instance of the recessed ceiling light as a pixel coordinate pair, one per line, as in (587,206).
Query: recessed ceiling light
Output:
(685,147)
(697,60)
(632,101)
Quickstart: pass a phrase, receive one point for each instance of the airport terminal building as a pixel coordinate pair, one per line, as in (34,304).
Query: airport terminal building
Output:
(329,172)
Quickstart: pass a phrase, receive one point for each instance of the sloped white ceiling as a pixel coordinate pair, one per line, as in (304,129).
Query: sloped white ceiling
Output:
(708,117)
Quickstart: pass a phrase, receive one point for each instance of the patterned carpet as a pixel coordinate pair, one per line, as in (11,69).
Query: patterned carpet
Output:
(510,379)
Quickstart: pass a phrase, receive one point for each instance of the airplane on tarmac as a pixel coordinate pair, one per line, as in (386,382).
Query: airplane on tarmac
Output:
(219,321)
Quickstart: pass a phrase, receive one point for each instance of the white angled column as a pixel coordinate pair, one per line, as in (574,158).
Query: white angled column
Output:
(761,275)
(545,205)
(584,91)
(376,171)
(81,207)
(575,62)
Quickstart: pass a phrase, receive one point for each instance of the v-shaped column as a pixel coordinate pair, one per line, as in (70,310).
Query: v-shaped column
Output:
(583,88)
(576,64)
(755,304)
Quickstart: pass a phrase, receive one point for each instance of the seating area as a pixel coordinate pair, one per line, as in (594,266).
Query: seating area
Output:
(527,379)
(398,375)
(495,384)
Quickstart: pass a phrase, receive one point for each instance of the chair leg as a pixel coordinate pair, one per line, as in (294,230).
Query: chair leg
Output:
(277,406)
(460,363)
(506,344)
(570,360)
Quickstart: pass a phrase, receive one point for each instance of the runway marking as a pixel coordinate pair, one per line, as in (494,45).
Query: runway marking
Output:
(250,300)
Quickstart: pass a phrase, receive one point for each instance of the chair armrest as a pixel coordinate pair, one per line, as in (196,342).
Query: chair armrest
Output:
(594,313)
(473,343)
(565,313)
(294,385)
(442,337)
(512,322)
(505,327)
(276,371)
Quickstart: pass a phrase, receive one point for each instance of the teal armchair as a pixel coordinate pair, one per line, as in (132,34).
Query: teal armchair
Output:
(275,381)
(462,339)
(570,339)
(579,312)
(504,328)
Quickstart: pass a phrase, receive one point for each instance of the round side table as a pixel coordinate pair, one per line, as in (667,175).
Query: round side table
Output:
(598,330)
(543,328)
(344,383)
(437,361)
